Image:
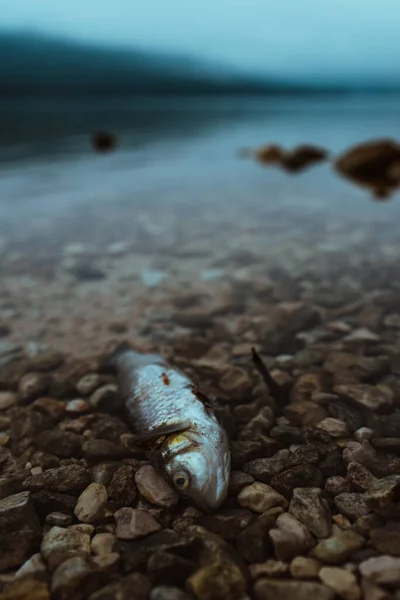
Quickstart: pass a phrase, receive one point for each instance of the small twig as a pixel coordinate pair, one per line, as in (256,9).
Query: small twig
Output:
(277,392)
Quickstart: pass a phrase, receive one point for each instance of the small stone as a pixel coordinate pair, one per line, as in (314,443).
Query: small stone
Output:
(154,488)
(286,434)
(360,476)
(383,493)
(263,469)
(106,562)
(122,589)
(261,424)
(304,568)
(366,396)
(372,591)
(238,480)
(122,488)
(363,434)
(59,544)
(387,539)
(19,530)
(91,503)
(304,475)
(383,570)
(253,542)
(168,592)
(103,543)
(7,399)
(352,505)
(342,521)
(106,397)
(133,523)
(236,383)
(341,581)
(310,507)
(26,588)
(336,485)
(270,589)
(59,519)
(260,497)
(217,582)
(291,537)
(339,547)
(71,578)
(307,385)
(60,443)
(226,523)
(32,567)
(243,451)
(88,384)
(32,386)
(270,568)
(77,406)
(166,567)
(306,413)
(70,479)
(335,427)
(53,408)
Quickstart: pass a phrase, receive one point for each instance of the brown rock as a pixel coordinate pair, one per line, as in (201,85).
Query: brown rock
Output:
(236,383)
(167,592)
(352,505)
(154,488)
(239,480)
(169,569)
(245,451)
(34,566)
(269,589)
(305,412)
(122,488)
(269,568)
(367,397)
(310,507)
(260,497)
(383,570)
(263,469)
(253,542)
(106,397)
(301,475)
(91,503)
(27,588)
(32,386)
(71,478)
(304,568)
(135,586)
(59,544)
(226,523)
(336,485)
(60,443)
(7,399)
(74,578)
(59,519)
(290,538)
(360,476)
(88,384)
(133,523)
(19,530)
(387,539)
(341,581)
(335,427)
(339,547)
(217,582)
(259,425)
(307,385)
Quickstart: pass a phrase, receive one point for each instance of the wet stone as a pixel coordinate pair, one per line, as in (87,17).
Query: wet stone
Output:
(335,427)
(104,472)
(253,542)
(133,523)
(60,443)
(69,479)
(270,589)
(263,469)
(122,487)
(59,544)
(19,530)
(339,547)
(260,497)
(269,568)
(154,488)
(290,538)
(352,505)
(91,503)
(217,582)
(226,523)
(302,567)
(169,569)
(360,476)
(239,480)
(59,519)
(103,543)
(32,386)
(310,507)
(336,485)
(301,475)
(341,581)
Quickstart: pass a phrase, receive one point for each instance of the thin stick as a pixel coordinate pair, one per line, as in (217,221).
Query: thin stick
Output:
(277,392)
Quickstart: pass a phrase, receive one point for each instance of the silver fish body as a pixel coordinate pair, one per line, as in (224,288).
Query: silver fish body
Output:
(162,401)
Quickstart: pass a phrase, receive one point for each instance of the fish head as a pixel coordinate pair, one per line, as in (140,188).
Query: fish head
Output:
(198,468)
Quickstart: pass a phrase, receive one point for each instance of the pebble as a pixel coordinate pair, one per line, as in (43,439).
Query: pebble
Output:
(91,503)
(335,427)
(302,567)
(59,519)
(7,399)
(336,485)
(383,570)
(363,434)
(69,577)
(269,568)
(32,386)
(253,542)
(103,543)
(122,487)
(133,523)
(77,406)
(69,479)
(226,523)
(305,413)
(341,581)
(352,505)
(64,444)
(260,497)
(169,568)
(106,397)
(154,488)
(386,539)
(168,592)
(106,562)
(59,544)
(339,547)
(236,383)
(290,538)
(270,589)
(19,530)
(310,507)
(26,588)
(263,469)
(238,480)
(32,567)
(360,476)
(88,384)
(122,589)
(300,475)
(366,396)
(217,582)
(382,493)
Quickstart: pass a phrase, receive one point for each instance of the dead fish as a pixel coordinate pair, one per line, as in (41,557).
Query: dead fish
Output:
(163,405)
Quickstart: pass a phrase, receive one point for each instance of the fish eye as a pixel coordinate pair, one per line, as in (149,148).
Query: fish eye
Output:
(181,479)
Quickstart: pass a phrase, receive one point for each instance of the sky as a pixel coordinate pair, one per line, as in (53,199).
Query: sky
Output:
(353,39)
